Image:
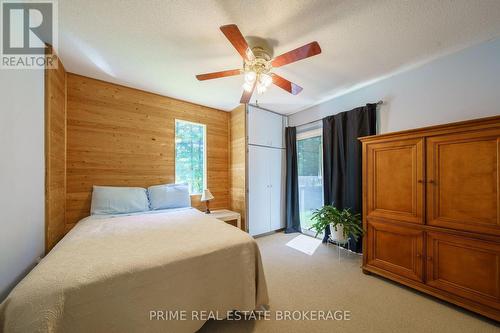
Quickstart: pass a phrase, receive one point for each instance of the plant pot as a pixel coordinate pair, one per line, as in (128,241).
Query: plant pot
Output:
(337,235)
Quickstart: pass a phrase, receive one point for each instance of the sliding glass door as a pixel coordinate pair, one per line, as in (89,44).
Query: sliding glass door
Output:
(310,168)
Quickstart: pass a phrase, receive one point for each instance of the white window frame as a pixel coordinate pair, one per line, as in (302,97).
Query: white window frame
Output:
(204,151)
(310,134)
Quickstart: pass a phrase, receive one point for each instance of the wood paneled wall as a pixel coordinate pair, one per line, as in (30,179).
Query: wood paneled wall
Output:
(55,155)
(125,137)
(238,162)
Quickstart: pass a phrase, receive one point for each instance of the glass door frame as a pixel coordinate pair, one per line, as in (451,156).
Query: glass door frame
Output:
(316,132)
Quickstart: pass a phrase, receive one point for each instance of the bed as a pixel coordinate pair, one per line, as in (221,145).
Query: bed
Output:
(113,273)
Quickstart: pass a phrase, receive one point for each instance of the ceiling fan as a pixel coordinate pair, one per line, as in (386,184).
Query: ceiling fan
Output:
(258,64)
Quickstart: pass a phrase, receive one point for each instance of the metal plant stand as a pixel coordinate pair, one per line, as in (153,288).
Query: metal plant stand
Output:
(340,244)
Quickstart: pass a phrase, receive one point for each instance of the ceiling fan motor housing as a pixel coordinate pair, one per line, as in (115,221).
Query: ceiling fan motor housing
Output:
(260,64)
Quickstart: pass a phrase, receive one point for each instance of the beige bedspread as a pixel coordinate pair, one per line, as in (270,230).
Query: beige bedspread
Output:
(106,275)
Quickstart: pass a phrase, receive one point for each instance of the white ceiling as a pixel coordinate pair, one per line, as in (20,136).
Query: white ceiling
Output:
(159,46)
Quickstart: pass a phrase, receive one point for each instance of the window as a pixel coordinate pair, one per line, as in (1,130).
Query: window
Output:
(310,168)
(191,155)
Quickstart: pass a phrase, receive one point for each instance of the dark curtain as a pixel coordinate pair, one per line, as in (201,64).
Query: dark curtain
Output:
(292,182)
(342,160)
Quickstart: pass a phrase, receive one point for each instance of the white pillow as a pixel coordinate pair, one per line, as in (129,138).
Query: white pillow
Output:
(168,196)
(118,200)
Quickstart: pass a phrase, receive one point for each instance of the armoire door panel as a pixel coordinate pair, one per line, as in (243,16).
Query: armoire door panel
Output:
(395,180)
(464,266)
(463,181)
(396,249)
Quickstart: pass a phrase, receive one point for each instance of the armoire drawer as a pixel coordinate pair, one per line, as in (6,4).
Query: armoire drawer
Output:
(464,266)
(396,249)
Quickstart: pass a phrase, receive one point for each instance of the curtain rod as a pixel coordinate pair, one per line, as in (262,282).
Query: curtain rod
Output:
(313,121)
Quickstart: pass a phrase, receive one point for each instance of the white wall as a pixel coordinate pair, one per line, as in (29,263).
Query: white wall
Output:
(461,86)
(21,174)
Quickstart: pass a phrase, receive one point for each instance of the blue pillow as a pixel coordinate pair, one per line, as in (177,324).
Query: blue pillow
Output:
(169,196)
(118,200)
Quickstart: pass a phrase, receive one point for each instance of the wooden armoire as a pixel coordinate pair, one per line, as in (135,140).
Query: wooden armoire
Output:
(431,217)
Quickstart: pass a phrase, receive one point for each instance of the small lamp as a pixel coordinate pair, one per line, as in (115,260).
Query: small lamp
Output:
(207,196)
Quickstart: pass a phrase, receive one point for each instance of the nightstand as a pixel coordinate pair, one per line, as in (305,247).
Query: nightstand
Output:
(226,216)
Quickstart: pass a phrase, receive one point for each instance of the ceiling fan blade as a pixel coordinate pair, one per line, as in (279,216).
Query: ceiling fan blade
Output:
(233,34)
(284,84)
(245,98)
(300,53)
(216,75)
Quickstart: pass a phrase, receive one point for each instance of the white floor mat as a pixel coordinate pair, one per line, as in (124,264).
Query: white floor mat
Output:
(305,244)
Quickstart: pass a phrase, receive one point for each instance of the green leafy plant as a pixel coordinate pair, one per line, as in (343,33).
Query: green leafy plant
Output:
(330,214)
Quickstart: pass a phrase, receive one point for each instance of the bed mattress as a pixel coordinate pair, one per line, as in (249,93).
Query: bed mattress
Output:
(111,273)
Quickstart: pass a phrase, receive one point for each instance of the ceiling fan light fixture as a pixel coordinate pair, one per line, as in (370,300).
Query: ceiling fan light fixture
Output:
(261,88)
(250,76)
(266,80)
(248,86)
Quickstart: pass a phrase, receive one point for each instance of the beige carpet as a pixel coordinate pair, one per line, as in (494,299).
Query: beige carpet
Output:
(297,281)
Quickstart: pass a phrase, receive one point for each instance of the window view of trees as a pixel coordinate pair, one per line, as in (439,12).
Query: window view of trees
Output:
(190,155)
(310,164)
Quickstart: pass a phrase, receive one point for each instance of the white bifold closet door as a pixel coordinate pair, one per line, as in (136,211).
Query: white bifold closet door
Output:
(258,191)
(265,192)
(276,162)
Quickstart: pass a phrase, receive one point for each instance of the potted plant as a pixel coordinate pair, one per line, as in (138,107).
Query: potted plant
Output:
(343,223)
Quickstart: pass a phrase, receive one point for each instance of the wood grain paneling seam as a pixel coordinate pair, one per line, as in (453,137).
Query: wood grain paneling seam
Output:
(55,154)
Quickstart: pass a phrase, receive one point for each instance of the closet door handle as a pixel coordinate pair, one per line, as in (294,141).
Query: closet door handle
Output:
(420,181)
